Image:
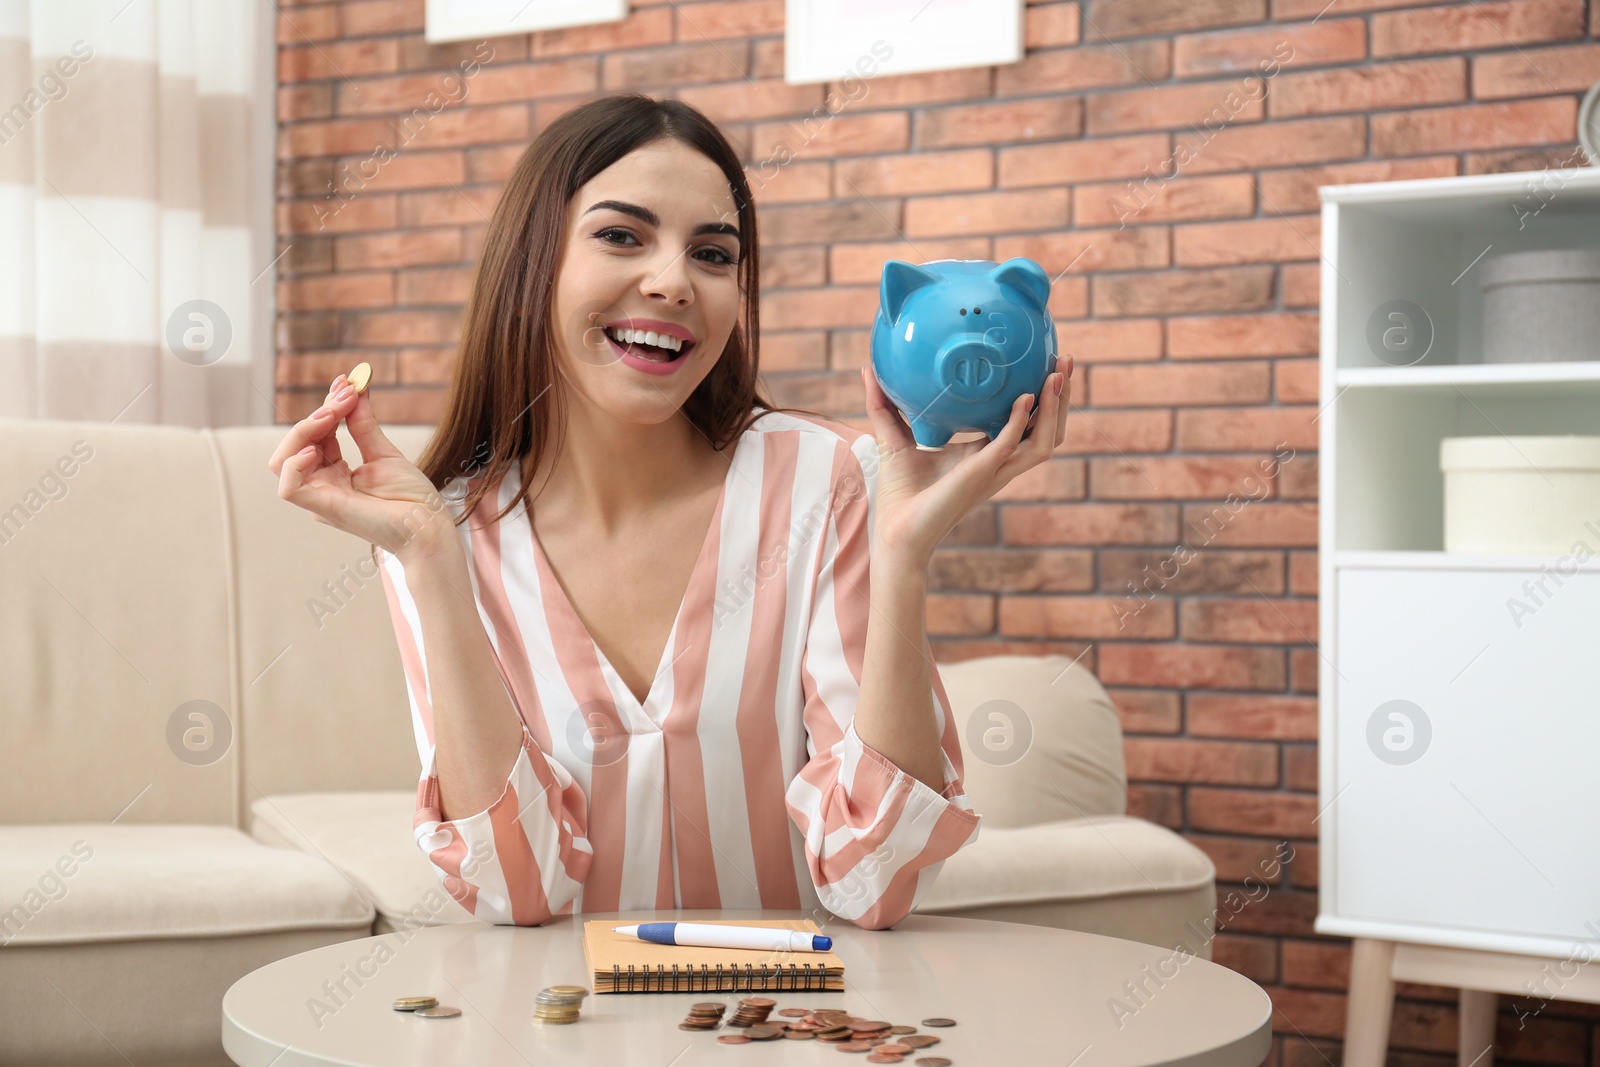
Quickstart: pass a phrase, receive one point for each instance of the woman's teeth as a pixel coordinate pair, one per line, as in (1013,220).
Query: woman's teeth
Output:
(671,347)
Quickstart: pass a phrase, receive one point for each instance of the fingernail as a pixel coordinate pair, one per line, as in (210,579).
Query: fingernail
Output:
(344,391)
(1060,381)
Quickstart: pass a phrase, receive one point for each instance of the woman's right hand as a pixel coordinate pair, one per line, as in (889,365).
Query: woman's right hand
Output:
(386,501)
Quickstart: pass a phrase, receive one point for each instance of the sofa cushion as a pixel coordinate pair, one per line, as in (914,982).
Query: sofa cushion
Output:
(71,883)
(367,837)
(1040,739)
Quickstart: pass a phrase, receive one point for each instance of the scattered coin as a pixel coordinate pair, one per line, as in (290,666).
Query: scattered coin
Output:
(938,1022)
(413,1003)
(880,1057)
(932,1061)
(902,1029)
(360,376)
(438,1011)
(894,1048)
(568,990)
(919,1040)
(799,1035)
(733,1039)
(794,1013)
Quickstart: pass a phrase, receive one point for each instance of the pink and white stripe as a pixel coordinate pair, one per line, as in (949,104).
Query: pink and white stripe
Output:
(742,782)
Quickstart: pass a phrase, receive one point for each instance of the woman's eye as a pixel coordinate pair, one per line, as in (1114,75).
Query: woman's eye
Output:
(722,258)
(605,234)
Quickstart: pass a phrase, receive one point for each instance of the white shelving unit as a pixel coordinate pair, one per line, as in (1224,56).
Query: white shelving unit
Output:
(1467,851)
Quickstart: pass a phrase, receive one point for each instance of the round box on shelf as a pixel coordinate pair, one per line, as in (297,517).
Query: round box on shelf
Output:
(1532,495)
(1541,306)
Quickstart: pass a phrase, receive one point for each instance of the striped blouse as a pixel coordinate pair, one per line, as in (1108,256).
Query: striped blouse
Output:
(740,781)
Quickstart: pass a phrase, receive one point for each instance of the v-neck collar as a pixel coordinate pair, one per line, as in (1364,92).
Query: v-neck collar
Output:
(695,577)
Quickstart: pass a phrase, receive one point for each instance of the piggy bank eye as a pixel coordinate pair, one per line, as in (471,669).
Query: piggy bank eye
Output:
(977,311)
(963,311)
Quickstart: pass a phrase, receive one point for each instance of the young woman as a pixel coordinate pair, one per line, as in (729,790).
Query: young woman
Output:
(648,672)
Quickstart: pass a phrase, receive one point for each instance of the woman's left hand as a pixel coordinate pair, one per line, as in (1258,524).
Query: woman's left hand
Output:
(923,495)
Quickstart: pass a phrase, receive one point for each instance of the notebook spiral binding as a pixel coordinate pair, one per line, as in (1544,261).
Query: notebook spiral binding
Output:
(776,977)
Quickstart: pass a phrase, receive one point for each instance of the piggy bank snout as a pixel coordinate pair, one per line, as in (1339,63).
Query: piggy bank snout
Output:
(970,368)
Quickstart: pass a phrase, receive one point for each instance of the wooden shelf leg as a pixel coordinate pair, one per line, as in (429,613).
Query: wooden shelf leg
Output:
(1477,1011)
(1371,1003)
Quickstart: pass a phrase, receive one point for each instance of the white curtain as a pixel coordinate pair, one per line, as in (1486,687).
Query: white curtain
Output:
(131,263)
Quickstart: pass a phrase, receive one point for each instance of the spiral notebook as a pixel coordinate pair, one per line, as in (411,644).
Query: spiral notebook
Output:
(623,964)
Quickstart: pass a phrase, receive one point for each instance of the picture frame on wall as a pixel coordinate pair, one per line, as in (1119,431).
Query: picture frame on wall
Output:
(829,40)
(460,20)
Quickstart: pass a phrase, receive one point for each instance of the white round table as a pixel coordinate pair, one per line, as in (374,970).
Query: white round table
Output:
(1019,995)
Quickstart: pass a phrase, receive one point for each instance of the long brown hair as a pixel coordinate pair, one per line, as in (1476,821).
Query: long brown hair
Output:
(499,406)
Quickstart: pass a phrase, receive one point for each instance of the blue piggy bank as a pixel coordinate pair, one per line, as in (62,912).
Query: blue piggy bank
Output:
(956,341)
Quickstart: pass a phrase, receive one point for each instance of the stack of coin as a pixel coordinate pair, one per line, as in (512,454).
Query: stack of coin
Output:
(413,1003)
(706,1015)
(752,1010)
(559,1003)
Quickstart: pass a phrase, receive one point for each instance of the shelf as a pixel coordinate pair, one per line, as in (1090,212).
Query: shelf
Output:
(1463,561)
(1469,374)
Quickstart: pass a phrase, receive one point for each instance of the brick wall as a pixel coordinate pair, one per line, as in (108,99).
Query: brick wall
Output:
(1190,302)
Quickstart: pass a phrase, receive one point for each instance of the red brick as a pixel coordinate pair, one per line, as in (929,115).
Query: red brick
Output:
(1081,251)
(401,328)
(1378,87)
(1254,525)
(1145,711)
(1250,621)
(684,64)
(1493,24)
(794,351)
(427,366)
(1056,479)
(1274,144)
(1316,964)
(1246,429)
(1303,573)
(296,103)
(1297,380)
(1069,297)
(1117,431)
(410,248)
(719,21)
(999,123)
(1284,815)
(748,100)
(1164,384)
(1165,200)
(1254,957)
(1263,51)
(417,54)
(1274,718)
(316,370)
(1116,18)
(1196,667)
(791,183)
(346,59)
(516,82)
(1163,759)
(1111,341)
(1183,571)
(1302,285)
(1288,10)
(1084,161)
(1300,774)
(455,207)
(850,264)
(1536,71)
(1160,804)
(1170,477)
(642,28)
(446,286)
(308,23)
(1089,617)
(964,615)
(821,135)
(1176,292)
(1297,478)
(1554,157)
(1090,524)
(1305,1013)
(1303,668)
(987,213)
(371,18)
(1085,67)
(1012,570)
(1272,240)
(332,215)
(1452,129)
(1213,105)
(918,90)
(1212,336)
(844,220)
(1296,190)
(914,174)
(788,267)
(811,309)
(1051,26)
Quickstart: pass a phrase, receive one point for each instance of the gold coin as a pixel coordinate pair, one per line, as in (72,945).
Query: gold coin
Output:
(413,1003)
(438,1011)
(360,376)
(563,990)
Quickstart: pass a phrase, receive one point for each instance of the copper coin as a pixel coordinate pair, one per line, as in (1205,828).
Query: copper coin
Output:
(694,1026)
(938,1022)
(854,1046)
(764,1033)
(794,1013)
(758,1002)
(902,1029)
(932,1061)
(898,1048)
(733,1039)
(880,1057)
(799,1035)
(867,1025)
(919,1040)
(709,1005)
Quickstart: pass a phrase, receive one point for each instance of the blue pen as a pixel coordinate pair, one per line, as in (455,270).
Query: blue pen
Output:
(715,935)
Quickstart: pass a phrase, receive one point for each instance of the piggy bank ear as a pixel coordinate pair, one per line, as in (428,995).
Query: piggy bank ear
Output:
(1026,275)
(900,280)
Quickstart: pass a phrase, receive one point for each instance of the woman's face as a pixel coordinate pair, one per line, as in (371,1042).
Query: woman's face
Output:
(653,239)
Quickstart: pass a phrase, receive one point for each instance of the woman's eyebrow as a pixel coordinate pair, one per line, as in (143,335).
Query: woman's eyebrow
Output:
(646,215)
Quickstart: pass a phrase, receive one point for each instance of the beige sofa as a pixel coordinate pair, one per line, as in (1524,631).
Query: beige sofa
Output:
(206,756)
